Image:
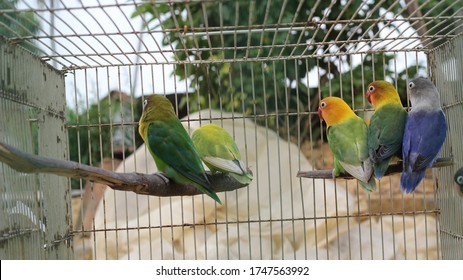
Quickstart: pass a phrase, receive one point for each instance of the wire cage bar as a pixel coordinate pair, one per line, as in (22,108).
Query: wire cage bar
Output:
(446,68)
(35,209)
(258,69)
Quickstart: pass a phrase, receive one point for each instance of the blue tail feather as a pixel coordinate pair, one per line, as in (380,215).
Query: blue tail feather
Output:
(410,180)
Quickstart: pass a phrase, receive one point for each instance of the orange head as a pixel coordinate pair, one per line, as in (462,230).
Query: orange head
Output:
(381,92)
(334,110)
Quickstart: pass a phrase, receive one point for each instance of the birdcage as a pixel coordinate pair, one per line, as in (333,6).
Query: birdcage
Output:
(73,77)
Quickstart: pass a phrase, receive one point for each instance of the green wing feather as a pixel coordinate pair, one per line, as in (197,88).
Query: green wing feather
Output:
(385,136)
(220,153)
(348,142)
(169,142)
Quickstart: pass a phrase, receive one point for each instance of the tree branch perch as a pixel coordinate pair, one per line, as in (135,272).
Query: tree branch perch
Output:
(392,169)
(149,184)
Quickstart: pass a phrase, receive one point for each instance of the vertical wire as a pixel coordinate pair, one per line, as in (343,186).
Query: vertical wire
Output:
(336,210)
(380,181)
(299,137)
(238,217)
(277,116)
(369,194)
(293,216)
(325,219)
(266,113)
(357,184)
(78,150)
(259,214)
(88,122)
(320,97)
(348,214)
(135,131)
(101,158)
(227,217)
(104,200)
(124,124)
(251,11)
(246,156)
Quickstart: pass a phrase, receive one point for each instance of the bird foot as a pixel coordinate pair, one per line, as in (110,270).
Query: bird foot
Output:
(164,178)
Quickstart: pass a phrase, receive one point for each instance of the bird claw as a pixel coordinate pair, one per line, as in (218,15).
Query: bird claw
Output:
(164,178)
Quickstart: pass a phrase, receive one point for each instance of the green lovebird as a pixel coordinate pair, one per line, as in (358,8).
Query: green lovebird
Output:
(347,137)
(387,125)
(171,146)
(219,152)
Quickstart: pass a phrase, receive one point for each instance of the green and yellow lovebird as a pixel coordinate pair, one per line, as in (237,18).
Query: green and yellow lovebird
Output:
(219,152)
(171,146)
(387,125)
(347,137)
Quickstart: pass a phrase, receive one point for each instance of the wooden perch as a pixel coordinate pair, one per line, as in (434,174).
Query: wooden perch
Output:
(150,184)
(392,169)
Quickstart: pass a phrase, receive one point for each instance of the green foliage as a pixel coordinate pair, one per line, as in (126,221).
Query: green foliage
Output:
(16,24)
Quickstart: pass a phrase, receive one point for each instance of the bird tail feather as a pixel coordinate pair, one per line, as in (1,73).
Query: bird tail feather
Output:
(370,186)
(410,180)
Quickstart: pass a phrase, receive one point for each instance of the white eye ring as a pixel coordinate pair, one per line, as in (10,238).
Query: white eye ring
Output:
(411,85)
(323,104)
(460,180)
(145,102)
(371,88)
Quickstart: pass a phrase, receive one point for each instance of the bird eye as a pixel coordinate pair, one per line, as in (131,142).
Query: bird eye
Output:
(411,85)
(371,88)
(323,104)
(145,102)
(460,180)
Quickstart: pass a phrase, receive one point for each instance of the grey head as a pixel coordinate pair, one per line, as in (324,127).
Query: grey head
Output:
(423,94)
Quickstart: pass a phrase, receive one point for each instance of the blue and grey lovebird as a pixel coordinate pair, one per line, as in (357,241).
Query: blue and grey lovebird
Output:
(459,181)
(424,135)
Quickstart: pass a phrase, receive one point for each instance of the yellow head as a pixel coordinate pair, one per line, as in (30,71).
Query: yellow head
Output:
(334,110)
(155,108)
(380,93)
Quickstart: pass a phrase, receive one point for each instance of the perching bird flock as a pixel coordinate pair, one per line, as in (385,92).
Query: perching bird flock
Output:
(171,146)
(178,157)
(363,151)
(416,137)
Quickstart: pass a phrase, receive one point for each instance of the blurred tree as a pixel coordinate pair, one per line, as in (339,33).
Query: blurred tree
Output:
(16,24)
(264,72)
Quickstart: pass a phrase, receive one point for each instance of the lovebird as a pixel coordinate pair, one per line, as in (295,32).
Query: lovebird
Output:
(171,146)
(424,135)
(219,152)
(387,124)
(347,138)
(459,181)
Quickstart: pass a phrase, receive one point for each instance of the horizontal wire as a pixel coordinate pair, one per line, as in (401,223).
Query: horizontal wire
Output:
(292,219)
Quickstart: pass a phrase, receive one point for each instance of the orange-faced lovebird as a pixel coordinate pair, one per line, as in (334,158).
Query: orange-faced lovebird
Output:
(424,135)
(171,146)
(219,152)
(387,124)
(459,181)
(347,138)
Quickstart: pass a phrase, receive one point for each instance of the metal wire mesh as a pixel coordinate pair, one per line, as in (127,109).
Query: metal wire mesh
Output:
(35,209)
(446,66)
(258,70)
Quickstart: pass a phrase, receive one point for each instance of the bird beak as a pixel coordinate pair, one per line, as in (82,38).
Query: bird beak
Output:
(369,96)
(320,113)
